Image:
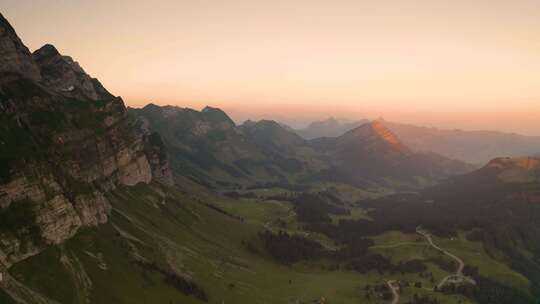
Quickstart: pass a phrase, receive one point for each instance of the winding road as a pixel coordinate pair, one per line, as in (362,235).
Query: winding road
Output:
(458,277)
(395,290)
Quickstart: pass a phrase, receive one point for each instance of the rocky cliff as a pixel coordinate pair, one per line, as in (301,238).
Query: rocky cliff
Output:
(155,151)
(64,143)
(14,55)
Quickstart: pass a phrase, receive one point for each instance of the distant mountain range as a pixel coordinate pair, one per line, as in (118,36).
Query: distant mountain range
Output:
(100,203)
(208,146)
(475,147)
(328,128)
(372,152)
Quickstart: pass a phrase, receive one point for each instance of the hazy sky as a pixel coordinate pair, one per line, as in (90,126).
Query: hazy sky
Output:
(461,63)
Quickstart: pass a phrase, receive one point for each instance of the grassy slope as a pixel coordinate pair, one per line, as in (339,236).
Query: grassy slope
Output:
(5,298)
(399,246)
(196,241)
(473,253)
(180,233)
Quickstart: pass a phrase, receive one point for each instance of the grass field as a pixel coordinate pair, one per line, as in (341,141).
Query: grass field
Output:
(179,233)
(473,254)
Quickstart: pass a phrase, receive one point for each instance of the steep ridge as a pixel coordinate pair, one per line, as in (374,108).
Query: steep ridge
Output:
(372,152)
(328,128)
(14,55)
(62,74)
(274,138)
(476,147)
(517,170)
(61,149)
(208,147)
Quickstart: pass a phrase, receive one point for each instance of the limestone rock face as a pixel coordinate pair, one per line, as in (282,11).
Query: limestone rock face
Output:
(65,142)
(57,219)
(63,74)
(14,56)
(13,250)
(155,152)
(92,209)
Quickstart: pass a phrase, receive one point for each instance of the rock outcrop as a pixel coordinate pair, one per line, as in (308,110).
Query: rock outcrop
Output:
(63,74)
(14,55)
(65,141)
(155,152)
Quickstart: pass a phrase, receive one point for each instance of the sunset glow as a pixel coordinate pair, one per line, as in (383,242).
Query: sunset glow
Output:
(452,64)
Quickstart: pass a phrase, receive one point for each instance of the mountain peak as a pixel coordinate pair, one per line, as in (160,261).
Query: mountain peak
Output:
(47,50)
(210,109)
(14,55)
(329,122)
(217,115)
(522,163)
(377,131)
(388,136)
(516,170)
(63,74)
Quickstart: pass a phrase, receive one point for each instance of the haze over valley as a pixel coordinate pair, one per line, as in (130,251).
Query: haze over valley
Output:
(112,200)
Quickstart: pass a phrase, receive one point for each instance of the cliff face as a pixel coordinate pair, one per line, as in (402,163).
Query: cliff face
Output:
(64,143)
(155,151)
(14,55)
(63,74)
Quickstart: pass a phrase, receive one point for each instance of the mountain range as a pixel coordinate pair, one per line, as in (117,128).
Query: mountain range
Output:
(474,147)
(65,143)
(208,146)
(100,203)
(330,127)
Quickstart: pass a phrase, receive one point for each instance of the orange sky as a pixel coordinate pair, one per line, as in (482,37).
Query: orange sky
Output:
(459,64)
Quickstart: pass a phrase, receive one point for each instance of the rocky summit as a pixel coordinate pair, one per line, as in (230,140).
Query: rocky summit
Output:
(65,142)
(63,74)
(14,55)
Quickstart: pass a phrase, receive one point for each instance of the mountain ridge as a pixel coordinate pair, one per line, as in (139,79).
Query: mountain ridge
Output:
(251,151)
(330,127)
(475,147)
(61,153)
(100,204)
(373,152)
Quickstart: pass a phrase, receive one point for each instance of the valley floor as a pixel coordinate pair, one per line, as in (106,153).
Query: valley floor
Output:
(194,247)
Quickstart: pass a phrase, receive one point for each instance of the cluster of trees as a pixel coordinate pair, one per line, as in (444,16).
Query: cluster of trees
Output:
(378,291)
(381,264)
(428,275)
(422,300)
(382,291)
(238,195)
(216,208)
(289,249)
(444,263)
(486,290)
(19,220)
(280,184)
(497,217)
(184,285)
(368,262)
(316,208)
